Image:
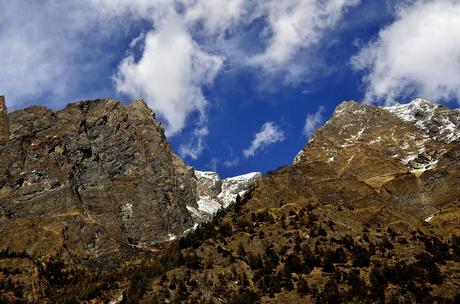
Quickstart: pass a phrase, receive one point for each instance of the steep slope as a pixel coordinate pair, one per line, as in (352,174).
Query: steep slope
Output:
(368,213)
(90,179)
(89,187)
(215,194)
(401,164)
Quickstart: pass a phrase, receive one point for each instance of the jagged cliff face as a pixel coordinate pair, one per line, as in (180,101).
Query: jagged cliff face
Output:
(94,177)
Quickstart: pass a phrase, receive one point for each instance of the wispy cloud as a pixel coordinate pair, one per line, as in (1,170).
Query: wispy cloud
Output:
(268,135)
(182,50)
(417,54)
(230,163)
(296,25)
(195,145)
(313,121)
(44,50)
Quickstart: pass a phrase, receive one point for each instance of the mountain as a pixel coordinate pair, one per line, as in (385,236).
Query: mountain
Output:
(368,212)
(94,180)
(215,194)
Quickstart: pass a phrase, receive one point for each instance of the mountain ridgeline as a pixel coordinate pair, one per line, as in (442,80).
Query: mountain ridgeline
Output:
(96,207)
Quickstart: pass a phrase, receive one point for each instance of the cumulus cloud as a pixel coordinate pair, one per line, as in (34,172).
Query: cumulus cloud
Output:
(313,121)
(170,74)
(295,25)
(268,135)
(182,49)
(40,52)
(419,53)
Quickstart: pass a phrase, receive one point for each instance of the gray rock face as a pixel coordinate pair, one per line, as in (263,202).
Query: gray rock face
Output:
(4,126)
(88,179)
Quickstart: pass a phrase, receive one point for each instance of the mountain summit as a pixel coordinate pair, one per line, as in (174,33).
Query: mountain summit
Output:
(95,207)
(368,212)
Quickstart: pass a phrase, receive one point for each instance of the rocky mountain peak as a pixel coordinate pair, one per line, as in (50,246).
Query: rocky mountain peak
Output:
(439,122)
(94,177)
(383,146)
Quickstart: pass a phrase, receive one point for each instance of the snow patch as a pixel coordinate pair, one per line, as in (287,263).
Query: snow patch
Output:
(298,157)
(428,219)
(215,194)
(440,123)
(238,185)
(208,205)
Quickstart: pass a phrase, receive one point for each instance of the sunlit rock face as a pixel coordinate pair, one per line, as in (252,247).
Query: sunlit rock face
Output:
(91,178)
(404,157)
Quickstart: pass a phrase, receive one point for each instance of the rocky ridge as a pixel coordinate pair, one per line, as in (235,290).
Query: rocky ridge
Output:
(4,126)
(95,177)
(392,147)
(369,211)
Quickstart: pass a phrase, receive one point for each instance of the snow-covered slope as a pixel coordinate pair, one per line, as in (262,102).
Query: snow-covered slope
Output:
(215,193)
(209,179)
(238,185)
(439,122)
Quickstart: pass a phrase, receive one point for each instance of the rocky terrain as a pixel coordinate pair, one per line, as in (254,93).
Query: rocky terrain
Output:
(369,212)
(94,180)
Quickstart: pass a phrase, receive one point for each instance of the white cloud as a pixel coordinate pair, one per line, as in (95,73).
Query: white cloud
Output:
(40,52)
(294,25)
(268,135)
(170,74)
(313,121)
(195,145)
(54,46)
(419,53)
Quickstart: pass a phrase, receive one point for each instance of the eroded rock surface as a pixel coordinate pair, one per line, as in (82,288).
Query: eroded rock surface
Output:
(403,159)
(89,179)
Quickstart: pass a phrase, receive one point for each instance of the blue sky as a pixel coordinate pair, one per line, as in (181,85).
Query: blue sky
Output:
(239,84)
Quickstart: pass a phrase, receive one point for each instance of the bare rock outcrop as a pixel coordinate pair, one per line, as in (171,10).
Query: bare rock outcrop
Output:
(92,178)
(403,158)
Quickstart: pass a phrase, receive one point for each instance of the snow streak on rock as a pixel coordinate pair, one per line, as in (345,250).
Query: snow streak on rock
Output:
(215,194)
(439,122)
